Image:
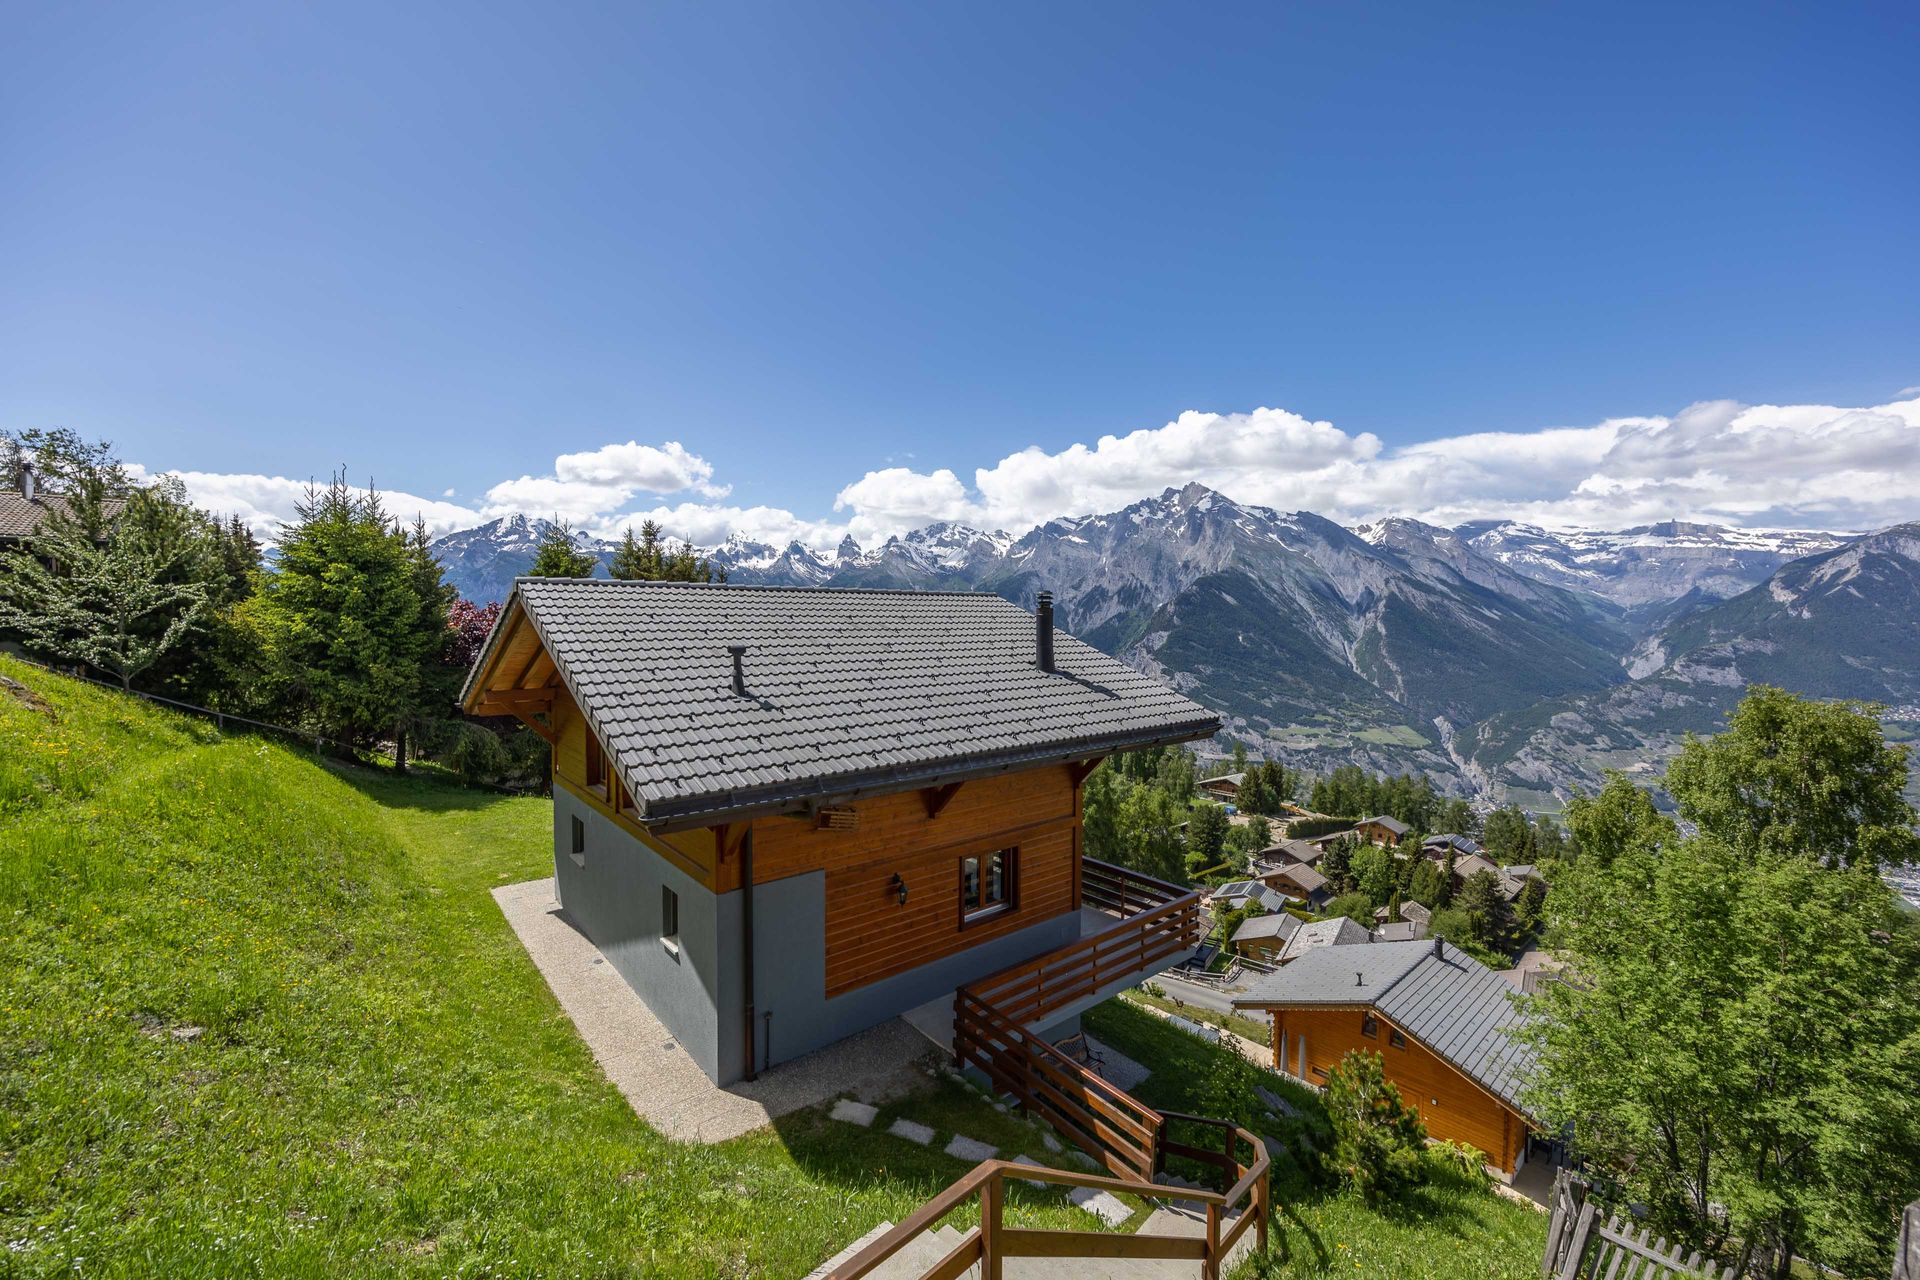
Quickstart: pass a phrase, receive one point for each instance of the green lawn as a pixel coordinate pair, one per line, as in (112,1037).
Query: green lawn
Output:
(260,1016)
(382,1083)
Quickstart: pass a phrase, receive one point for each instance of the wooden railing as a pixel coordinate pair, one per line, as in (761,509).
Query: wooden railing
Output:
(1101,1119)
(1123,890)
(1031,991)
(1229,1216)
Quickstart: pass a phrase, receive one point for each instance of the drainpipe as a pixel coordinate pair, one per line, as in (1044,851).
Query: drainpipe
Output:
(746,941)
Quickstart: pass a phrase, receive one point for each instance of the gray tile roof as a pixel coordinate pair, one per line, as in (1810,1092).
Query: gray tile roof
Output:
(1276,924)
(1323,934)
(1394,825)
(1448,1001)
(848,692)
(22,518)
(1241,890)
(1399,931)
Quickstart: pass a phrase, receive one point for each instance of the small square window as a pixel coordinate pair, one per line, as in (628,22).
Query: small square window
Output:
(577,846)
(670,920)
(1369,1026)
(1397,1040)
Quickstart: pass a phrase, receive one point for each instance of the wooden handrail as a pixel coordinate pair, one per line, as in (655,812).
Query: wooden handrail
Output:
(990,1244)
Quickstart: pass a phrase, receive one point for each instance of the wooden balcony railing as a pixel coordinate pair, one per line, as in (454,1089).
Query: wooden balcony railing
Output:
(1032,990)
(1229,1216)
(1122,890)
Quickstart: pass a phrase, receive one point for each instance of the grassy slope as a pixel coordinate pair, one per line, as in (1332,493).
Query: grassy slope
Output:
(1448,1229)
(384,1085)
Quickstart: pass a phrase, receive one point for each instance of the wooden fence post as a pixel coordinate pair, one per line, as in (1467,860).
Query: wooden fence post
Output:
(990,1228)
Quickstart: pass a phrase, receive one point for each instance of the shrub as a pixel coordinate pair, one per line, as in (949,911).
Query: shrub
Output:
(1378,1141)
(1462,1158)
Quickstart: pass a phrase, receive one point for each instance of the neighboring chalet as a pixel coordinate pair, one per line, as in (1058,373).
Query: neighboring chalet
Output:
(1474,863)
(785,815)
(1337,932)
(1265,937)
(1381,830)
(1399,931)
(1437,847)
(1236,894)
(27,506)
(1298,881)
(1438,1018)
(1416,913)
(1301,851)
(1225,788)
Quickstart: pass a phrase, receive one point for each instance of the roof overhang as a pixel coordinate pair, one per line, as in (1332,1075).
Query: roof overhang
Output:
(478,697)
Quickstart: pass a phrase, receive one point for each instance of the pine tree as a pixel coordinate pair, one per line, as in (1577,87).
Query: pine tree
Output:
(558,557)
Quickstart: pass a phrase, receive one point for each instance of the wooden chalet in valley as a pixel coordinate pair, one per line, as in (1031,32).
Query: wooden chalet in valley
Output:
(1439,1019)
(785,815)
(1381,830)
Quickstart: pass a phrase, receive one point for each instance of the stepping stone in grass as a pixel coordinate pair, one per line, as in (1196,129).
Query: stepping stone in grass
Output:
(1109,1208)
(1031,1163)
(1050,1142)
(1083,1158)
(965,1148)
(854,1112)
(904,1128)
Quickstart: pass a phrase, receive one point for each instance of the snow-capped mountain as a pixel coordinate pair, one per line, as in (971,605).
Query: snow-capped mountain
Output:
(1480,655)
(1650,565)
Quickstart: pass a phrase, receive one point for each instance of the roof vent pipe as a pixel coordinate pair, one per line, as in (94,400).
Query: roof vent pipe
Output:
(1437,943)
(1043,632)
(739,652)
(1359,979)
(26,481)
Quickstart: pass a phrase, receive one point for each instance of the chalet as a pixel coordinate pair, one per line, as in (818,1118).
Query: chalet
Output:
(27,506)
(1416,912)
(784,815)
(1437,847)
(1531,970)
(1301,851)
(1439,1019)
(1225,788)
(1399,931)
(1337,932)
(1381,830)
(1236,894)
(1298,881)
(1266,937)
(1466,868)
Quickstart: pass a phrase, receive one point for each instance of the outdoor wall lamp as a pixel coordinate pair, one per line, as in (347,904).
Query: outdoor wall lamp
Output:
(900,887)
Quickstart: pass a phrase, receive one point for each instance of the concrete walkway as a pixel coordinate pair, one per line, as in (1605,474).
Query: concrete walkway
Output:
(658,1078)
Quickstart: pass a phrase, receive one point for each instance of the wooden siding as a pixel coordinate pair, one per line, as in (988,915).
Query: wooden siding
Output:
(1266,949)
(870,935)
(1450,1104)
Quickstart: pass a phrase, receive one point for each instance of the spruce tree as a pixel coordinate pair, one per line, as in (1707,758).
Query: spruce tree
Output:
(558,557)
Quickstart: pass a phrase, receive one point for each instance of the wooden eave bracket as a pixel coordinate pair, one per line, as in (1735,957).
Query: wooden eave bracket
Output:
(1080,769)
(937,798)
(729,836)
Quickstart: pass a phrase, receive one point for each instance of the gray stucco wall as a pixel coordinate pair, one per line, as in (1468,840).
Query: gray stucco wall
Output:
(615,898)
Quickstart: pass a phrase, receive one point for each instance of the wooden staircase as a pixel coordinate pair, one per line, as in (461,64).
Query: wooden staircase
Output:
(1194,1231)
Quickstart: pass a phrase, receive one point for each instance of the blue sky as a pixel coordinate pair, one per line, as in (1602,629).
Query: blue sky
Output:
(827,246)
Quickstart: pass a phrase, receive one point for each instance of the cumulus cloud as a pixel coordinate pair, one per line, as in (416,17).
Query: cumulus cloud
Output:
(1809,466)
(587,487)
(1816,466)
(265,503)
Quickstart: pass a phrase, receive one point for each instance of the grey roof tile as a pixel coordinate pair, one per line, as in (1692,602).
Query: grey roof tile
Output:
(846,690)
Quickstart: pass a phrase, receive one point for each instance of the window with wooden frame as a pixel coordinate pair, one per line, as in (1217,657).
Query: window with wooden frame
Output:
(596,766)
(577,833)
(1397,1040)
(1369,1026)
(987,884)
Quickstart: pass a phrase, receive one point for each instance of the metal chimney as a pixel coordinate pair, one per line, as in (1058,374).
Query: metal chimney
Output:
(1043,632)
(739,652)
(26,480)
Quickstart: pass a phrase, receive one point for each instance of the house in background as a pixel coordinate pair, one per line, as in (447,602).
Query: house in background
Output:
(1236,894)
(1381,830)
(1439,1019)
(1337,932)
(1471,865)
(1298,881)
(27,506)
(1265,937)
(1225,788)
(784,815)
(1437,847)
(1307,852)
(1416,913)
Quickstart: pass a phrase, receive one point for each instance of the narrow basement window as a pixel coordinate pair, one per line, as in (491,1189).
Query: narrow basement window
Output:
(670,920)
(577,849)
